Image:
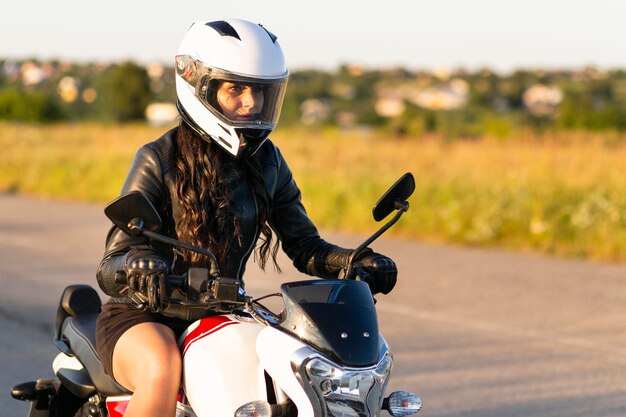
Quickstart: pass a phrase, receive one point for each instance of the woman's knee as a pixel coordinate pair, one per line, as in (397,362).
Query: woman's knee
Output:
(147,354)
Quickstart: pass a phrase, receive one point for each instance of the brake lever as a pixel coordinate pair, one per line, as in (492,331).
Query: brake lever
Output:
(152,297)
(361,274)
(158,296)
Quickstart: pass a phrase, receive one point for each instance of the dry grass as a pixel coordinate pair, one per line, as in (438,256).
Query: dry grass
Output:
(69,161)
(564,194)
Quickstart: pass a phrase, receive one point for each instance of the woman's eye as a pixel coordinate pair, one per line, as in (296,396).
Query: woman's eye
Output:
(235,89)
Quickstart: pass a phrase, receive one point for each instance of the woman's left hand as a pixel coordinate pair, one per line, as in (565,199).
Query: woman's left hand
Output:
(379,271)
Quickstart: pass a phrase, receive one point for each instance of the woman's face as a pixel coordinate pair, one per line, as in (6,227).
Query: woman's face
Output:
(239,101)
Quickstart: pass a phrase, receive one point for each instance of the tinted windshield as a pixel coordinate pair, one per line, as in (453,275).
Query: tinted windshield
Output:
(336,317)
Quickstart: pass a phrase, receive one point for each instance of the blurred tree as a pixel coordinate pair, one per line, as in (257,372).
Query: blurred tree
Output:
(126,91)
(3,75)
(304,85)
(592,99)
(18,105)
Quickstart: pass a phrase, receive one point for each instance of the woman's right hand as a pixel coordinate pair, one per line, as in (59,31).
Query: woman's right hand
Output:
(146,274)
(140,265)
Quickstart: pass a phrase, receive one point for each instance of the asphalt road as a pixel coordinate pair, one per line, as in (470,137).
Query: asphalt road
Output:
(477,333)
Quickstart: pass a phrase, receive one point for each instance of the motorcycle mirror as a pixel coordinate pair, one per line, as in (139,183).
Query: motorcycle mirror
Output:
(393,199)
(398,193)
(133,213)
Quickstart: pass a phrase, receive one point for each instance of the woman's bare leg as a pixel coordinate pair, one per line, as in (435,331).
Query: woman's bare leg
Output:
(147,361)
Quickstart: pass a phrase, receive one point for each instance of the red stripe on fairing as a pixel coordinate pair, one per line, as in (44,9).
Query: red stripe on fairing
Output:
(117,408)
(207,326)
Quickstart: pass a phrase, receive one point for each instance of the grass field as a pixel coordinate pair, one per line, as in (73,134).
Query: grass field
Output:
(564,194)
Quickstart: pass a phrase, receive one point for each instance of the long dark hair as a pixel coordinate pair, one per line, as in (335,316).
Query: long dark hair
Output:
(205,176)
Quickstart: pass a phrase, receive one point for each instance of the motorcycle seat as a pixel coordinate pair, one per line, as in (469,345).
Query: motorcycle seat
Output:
(80,334)
(77,337)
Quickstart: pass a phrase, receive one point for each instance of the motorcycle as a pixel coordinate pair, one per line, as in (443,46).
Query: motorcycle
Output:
(320,356)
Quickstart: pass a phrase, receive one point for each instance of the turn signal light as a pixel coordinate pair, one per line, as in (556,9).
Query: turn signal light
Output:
(402,403)
(254,409)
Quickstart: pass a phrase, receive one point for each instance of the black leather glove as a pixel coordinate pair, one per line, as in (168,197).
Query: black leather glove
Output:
(377,270)
(146,273)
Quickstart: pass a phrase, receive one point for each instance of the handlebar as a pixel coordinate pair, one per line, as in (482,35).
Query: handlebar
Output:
(192,295)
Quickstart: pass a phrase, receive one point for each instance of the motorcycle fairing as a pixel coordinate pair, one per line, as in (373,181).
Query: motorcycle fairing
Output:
(116,406)
(203,328)
(337,317)
(275,349)
(219,373)
(355,392)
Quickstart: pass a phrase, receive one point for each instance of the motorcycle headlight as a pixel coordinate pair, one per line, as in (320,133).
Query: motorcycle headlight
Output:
(349,392)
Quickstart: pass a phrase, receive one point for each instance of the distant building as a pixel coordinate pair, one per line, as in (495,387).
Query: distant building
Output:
(155,70)
(453,94)
(32,73)
(390,107)
(314,111)
(345,119)
(542,100)
(89,95)
(161,114)
(68,89)
(356,70)
(439,98)
(449,96)
(343,90)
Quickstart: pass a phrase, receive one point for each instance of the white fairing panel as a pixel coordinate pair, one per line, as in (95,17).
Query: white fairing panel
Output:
(221,371)
(275,349)
(62,361)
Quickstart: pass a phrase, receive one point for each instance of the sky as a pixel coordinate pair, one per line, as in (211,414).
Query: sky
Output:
(415,34)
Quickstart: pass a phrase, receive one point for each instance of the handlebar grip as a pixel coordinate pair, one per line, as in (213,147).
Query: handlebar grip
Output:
(176,281)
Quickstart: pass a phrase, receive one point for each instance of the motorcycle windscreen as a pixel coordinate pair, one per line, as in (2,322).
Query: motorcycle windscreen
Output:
(335,316)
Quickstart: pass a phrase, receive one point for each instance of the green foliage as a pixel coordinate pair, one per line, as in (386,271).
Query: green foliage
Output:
(591,112)
(127,91)
(492,104)
(304,85)
(27,106)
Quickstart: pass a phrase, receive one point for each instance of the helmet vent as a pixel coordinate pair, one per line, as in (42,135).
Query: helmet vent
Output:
(223,28)
(224,129)
(271,35)
(225,142)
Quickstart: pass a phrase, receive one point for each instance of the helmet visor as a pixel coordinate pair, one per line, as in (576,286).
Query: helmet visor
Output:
(238,100)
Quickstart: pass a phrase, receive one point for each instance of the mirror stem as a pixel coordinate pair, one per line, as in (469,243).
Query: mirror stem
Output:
(136,226)
(214,272)
(401,206)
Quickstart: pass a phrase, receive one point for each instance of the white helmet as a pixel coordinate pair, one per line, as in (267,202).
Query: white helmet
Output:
(236,52)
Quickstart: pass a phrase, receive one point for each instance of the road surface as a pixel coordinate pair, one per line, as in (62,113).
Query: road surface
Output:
(478,333)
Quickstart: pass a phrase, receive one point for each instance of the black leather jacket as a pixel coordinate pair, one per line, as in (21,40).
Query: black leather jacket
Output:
(152,173)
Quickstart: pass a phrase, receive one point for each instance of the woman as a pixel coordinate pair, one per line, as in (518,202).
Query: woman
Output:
(218,184)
